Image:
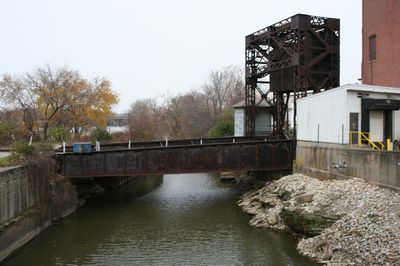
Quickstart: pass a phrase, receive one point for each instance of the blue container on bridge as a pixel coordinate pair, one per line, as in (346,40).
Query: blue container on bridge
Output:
(82,147)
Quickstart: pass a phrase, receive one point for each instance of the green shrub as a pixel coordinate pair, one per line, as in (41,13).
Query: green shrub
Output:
(43,146)
(5,161)
(23,148)
(7,130)
(224,126)
(100,134)
(59,133)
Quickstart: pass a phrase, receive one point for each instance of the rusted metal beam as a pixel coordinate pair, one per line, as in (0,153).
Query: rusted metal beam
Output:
(216,157)
(172,142)
(295,56)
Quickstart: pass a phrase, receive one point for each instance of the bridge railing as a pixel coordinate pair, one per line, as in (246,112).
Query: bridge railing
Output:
(236,154)
(171,143)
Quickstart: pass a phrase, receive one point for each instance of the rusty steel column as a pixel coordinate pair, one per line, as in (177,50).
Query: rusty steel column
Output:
(291,58)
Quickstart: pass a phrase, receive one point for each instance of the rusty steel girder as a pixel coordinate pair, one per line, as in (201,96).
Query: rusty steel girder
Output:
(290,58)
(215,157)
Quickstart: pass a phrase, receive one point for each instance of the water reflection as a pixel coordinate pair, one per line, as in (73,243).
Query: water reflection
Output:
(187,220)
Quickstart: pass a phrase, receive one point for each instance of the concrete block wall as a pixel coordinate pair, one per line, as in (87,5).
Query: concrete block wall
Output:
(31,198)
(15,194)
(329,161)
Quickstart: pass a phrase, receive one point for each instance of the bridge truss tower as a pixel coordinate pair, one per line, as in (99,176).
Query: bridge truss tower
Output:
(287,61)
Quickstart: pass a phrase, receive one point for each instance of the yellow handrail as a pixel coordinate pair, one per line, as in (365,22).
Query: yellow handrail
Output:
(365,136)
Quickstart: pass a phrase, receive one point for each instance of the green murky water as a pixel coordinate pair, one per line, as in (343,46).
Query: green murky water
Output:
(186,220)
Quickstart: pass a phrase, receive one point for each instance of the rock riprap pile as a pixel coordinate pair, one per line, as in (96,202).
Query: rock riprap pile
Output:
(340,222)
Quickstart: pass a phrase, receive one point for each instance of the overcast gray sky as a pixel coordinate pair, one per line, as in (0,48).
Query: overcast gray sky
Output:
(154,47)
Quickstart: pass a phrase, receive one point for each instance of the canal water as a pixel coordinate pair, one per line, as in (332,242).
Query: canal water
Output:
(185,220)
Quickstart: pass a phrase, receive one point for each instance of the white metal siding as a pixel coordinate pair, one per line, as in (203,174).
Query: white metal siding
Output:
(321,117)
(239,122)
(353,105)
(331,110)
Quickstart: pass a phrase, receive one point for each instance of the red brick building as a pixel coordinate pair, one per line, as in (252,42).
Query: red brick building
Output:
(381,42)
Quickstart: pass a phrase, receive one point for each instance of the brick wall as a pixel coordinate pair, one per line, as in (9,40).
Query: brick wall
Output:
(381,17)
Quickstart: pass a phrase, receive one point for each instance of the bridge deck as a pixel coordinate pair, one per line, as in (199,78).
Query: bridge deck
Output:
(180,156)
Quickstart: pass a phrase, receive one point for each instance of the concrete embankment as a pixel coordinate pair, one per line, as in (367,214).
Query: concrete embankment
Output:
(32,197)
(340,222)
(334,161)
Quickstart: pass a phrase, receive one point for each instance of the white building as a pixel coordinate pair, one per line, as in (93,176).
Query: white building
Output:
(332,116)
(263,123)
(117,123)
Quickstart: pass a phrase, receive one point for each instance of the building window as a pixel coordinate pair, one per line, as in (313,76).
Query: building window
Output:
(372,47)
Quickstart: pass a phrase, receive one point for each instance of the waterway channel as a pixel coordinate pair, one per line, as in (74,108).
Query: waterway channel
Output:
(185,220)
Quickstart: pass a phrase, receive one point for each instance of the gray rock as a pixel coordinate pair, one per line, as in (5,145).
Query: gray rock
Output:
(368,231)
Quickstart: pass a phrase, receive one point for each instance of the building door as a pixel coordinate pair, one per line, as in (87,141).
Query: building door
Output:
(388,130)
(376,125)
(354,128)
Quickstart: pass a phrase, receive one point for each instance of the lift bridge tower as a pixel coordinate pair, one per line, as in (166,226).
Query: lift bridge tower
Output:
(286,61)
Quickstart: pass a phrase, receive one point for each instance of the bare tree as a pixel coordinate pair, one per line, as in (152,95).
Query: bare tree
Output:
(187,116)
(223,88)
(17,93)
(145,120)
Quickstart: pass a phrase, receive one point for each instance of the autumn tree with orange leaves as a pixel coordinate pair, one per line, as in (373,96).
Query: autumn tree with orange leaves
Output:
(51,97)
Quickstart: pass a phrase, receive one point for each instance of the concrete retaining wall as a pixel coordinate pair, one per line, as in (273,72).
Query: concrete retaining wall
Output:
(114,182)
(326,161)
(31,198)
(15,195)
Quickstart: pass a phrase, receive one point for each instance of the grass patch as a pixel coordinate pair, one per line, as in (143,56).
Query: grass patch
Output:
(10,160)
(5,161)
(23,152)
(307,224)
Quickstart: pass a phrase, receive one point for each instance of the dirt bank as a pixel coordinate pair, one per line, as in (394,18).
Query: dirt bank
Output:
(339,221)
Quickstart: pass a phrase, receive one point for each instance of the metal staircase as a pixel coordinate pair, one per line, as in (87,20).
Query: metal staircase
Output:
(365,138)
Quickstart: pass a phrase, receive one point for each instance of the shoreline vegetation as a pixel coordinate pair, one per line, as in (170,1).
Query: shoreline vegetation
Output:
(338,222)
